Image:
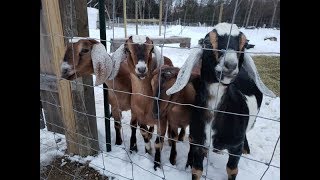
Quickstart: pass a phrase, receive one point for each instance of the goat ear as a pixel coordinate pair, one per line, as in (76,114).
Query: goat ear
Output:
(213,37)
(251,69)
(242,41)
(159,58)
(185,71)
(102,63)
(93,41)
(118,56)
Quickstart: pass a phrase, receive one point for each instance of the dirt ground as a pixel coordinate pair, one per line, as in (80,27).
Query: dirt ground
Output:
(63,169)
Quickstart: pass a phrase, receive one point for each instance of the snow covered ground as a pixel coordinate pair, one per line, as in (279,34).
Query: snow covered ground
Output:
(262,138)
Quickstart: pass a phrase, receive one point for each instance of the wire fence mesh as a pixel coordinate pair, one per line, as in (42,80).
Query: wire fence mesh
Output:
(124,148)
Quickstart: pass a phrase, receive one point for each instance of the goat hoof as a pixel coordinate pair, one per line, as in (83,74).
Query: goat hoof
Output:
(232,177)
(148,151)
(173,161)
(156,165)
(245,151)
(187,165)
(173,158)
(133,148)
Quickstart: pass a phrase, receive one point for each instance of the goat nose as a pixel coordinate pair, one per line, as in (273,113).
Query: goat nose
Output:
(230,66)
(142,69)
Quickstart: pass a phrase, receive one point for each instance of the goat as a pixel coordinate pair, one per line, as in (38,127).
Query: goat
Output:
(88,56)
(229,82)
(138,50)
(177,116)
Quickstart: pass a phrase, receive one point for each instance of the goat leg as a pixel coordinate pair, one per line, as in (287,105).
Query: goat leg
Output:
(133,139)
(161,131)
(182,134)
(173,153)
(233,161)
(145,134)
(117,124)
(197,167)
(246,149)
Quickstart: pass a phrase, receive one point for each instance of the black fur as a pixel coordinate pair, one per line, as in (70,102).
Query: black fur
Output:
(230,130)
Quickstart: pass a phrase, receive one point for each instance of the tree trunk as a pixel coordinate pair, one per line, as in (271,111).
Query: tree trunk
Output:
(214,12)
(248,18)
(274,13)
(149,8)
(220,14)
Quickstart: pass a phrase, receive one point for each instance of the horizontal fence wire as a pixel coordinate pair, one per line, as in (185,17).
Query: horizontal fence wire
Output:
(138,128)
(108,154)
(172,102)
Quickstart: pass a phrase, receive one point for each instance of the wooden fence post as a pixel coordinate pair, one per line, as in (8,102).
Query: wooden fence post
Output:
(71,97)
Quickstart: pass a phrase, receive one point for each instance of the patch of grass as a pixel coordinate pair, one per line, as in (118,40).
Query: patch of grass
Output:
(269,71)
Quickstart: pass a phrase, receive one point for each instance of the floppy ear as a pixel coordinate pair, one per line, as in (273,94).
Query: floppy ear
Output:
(242,41)
(93,41)
(102,63)
(159,58)
(185,71)
(118,56)
(250,67)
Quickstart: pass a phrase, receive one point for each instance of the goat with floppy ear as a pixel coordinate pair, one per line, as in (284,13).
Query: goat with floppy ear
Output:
(177,116)
(88,56)
(229,82)
(143,59)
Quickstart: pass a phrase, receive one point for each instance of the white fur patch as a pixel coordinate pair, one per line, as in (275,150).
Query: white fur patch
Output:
(253,110)
(139,39)
(141,64)
(208,130)
(213,102)
(229,56)
(224,28)
(159,58)
(250,67)
(185,71)
(65,65)
(214,98)
(148,145)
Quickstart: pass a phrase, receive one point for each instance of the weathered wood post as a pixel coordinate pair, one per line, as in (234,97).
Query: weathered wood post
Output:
(60,19)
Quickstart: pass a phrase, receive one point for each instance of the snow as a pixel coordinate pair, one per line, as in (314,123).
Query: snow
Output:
(262,138)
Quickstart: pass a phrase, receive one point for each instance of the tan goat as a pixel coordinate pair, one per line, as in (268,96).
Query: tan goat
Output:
(88,56)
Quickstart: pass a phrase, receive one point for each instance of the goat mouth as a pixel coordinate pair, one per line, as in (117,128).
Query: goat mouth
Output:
(141,76)
(69,76)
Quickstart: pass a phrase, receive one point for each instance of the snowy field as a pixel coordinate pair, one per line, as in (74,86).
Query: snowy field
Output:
(262,138)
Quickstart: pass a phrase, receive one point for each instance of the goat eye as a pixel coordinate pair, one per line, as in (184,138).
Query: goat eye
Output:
(84,50)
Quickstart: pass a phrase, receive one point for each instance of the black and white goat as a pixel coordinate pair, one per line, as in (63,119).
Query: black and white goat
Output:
(228,82)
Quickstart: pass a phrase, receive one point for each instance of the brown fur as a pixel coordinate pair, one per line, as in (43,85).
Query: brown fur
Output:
(177,116)
(243,41)
(82,64)
(141,106)
(214,42)
(197,173)
(231,172)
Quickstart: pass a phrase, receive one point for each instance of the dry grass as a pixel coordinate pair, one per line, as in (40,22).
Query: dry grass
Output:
(269,71)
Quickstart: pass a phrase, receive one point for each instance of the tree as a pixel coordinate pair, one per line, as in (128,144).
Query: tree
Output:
(275,4)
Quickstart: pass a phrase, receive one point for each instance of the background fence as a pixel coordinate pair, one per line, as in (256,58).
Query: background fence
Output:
(67,108)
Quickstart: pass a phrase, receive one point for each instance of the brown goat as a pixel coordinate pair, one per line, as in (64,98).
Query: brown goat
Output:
(141,66)
(176,116)
(79,61)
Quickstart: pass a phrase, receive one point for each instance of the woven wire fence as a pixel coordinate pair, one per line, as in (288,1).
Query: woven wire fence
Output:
(60,148)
